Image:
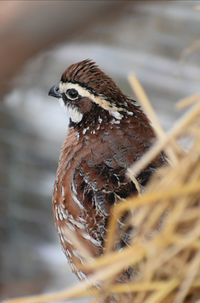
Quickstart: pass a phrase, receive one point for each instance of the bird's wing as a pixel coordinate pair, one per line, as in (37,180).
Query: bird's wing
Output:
(100,177)
(100,185)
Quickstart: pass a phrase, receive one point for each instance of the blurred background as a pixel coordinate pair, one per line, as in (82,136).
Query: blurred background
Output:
(159,41)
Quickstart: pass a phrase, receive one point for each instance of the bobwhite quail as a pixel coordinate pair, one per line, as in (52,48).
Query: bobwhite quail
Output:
(107,133)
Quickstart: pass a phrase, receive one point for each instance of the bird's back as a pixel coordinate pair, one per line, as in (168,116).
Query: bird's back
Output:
(91,177)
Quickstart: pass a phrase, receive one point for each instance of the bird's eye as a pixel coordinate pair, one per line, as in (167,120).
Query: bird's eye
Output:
(72,94)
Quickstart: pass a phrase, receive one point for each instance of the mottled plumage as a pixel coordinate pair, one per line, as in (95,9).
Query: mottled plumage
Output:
(107,133)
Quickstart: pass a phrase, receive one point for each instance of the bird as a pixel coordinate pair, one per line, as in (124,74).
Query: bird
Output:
(107,133)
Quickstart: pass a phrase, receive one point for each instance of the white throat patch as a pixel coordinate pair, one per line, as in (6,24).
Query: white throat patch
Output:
(73,113)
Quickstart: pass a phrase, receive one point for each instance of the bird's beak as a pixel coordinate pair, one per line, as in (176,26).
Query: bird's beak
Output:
(54,92)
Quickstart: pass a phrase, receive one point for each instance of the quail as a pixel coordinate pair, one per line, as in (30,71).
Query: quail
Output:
(107,133)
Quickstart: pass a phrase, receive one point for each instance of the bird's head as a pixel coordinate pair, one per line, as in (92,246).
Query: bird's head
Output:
(84,89)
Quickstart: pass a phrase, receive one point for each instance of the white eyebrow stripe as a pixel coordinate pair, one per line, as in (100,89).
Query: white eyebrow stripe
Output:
(63,87)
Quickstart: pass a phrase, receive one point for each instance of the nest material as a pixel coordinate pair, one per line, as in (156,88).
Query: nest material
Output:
(164,252)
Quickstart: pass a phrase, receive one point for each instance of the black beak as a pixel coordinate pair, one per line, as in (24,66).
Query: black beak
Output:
(54,92)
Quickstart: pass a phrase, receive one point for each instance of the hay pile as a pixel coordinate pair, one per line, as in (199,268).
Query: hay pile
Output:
(165,248)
